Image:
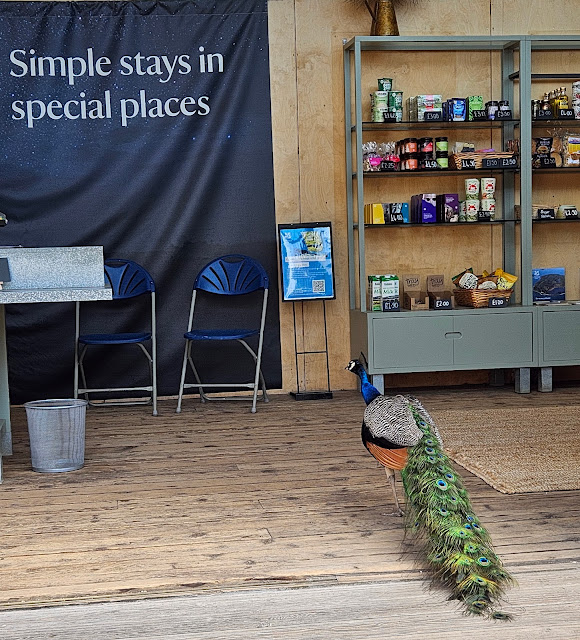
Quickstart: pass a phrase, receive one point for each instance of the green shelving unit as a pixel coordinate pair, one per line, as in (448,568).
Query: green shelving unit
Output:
(463,338)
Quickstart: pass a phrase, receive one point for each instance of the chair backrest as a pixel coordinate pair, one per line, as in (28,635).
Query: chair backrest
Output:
(232,275)
(127,279)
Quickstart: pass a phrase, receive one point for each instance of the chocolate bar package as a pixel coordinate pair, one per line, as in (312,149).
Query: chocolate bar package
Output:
(423,208)
(447,206)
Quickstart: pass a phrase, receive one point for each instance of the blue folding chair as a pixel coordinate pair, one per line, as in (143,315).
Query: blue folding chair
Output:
(127,279)
(231,275)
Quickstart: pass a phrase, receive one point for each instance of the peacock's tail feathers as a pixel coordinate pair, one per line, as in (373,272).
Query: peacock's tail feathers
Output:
(458,548)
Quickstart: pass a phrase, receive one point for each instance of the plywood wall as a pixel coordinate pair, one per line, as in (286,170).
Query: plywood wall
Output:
(306,38)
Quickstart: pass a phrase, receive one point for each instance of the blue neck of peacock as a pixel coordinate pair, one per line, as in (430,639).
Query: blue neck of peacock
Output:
(369,392)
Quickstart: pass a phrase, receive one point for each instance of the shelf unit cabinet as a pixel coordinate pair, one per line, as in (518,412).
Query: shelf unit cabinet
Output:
(555,61)
(445,340)
(464,338)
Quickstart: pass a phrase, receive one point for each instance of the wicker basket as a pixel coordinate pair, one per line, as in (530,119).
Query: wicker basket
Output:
(456,158)
(479,297)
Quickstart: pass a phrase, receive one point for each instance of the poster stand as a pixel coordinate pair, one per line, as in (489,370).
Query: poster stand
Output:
(307,275)
(304,394)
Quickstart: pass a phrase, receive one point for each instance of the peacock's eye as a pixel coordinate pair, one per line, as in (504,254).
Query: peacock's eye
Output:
(429,450)
(483,561)
(441,484)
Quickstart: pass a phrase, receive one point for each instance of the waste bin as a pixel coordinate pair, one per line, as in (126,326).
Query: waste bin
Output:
(57,434)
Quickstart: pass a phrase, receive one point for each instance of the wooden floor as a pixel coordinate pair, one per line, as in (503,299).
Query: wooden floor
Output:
(217,500)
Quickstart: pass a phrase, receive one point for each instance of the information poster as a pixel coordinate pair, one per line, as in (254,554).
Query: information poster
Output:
(306,258)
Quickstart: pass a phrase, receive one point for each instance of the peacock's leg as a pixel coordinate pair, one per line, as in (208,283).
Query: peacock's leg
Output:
(391,476)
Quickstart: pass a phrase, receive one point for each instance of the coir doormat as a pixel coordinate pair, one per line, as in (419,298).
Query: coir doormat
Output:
(516,450)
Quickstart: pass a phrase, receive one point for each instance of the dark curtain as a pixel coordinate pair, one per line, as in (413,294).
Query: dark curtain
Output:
(143,127)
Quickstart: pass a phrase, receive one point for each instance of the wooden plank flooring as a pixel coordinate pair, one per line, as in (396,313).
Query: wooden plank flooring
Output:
(366,611)
(216,499)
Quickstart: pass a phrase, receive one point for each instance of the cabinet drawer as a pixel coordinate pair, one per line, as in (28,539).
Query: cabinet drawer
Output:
(494,340)
(561,336)
(403,342)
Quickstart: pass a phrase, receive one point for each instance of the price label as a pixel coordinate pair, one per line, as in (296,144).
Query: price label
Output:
(433,116)
(546,114)
(484,216)
(506,114)
(390,116)
(479,114)
(571,214)
(431,164)
(396,218)
(388,165)
(444,303)
(391,304)
(506,163)
(500,163)
(547,163)
(565,114)
(468,163)
(497,302)
(546,214)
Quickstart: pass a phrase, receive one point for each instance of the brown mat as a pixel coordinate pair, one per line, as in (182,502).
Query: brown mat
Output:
(516,450)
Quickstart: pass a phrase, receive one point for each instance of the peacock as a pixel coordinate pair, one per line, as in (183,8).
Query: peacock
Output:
(401,435)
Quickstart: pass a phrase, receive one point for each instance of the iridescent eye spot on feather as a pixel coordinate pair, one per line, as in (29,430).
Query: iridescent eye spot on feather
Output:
(483,561)
(470,519)
(475,526)
(422,423)
(442,485)
(480,581)
(471,548)
(429,450)
(431,459)
(443,512)
(467,526)
(429,442)
(449,476)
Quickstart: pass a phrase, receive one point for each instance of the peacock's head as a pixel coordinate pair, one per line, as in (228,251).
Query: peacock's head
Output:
(355,366)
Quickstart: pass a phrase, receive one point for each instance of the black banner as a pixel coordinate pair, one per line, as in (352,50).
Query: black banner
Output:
(143,127)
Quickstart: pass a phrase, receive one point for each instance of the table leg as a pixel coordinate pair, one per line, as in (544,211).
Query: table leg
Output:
(5,433)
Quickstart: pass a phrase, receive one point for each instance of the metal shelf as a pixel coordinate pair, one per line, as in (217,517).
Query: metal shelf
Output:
(437,124)
(547,76)
(431,172)
(437,224)
(541,124)
(556,170)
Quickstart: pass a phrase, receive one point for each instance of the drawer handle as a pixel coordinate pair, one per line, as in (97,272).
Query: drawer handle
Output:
(453,335)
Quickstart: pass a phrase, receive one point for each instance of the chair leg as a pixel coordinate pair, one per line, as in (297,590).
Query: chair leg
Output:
(258,376)
(263,382)
(182,382)
(151,376)
(82,370)
(202,395)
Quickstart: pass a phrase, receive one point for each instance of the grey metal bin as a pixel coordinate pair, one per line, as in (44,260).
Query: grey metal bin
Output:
(57,434)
